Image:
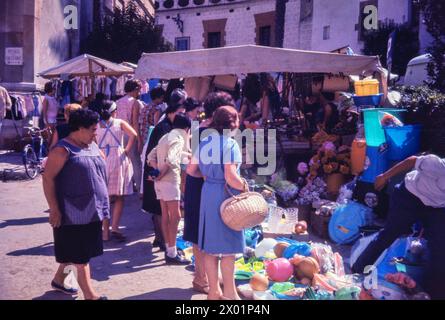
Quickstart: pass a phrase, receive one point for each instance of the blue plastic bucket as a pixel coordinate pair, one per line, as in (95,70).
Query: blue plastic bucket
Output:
(374,133)
(373,100)
(376,163)
(403,142)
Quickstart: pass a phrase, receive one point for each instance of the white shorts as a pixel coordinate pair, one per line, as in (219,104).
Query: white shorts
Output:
(167,191)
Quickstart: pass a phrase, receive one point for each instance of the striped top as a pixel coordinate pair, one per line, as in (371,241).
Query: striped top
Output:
(81,186)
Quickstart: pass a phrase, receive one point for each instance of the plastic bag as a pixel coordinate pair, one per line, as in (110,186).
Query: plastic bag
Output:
(324,256)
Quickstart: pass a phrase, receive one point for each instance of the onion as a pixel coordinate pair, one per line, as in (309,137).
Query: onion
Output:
(301,227)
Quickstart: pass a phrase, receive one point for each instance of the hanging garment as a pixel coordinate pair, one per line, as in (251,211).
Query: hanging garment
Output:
(107,91)
(113,87)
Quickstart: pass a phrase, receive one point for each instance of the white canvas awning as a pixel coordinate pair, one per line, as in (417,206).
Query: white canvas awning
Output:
(86,65)
(250,59)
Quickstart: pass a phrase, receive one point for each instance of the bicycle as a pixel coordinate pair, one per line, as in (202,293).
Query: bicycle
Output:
(35,152)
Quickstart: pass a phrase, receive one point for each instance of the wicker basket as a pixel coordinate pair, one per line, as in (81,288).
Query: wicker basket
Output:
(244,211)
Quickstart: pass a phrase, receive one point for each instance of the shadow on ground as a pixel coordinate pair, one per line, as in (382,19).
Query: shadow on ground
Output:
(54,295)
(179,294)
(42,250)
(23,222)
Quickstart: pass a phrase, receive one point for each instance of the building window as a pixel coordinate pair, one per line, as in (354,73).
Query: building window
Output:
(214,33)
(265,28)
(265,33)
(182,44)
(326,32)
(214,39)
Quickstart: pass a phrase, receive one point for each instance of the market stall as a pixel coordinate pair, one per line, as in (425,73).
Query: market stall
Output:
(84,76)
(330,196)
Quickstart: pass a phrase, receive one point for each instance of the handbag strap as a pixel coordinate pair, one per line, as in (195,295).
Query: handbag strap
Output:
(246,188)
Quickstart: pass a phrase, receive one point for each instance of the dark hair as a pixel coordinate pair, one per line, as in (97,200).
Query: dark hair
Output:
(48,87)
(157,93)
(172,109)
(191,104)
(173,84)
(132,85)
(215,100)
(252,88)
(104,112)
(224,118)
(82,118)
(176,96)
(182,122)
(330,96)
(267,83)
(100,97)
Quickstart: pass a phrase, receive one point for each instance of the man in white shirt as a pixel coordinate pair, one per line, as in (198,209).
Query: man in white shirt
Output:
(419,198)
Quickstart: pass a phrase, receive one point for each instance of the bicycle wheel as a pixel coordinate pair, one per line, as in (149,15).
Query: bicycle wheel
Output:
(30,162)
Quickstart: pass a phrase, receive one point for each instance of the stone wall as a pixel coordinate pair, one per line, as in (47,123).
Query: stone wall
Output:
(240,26)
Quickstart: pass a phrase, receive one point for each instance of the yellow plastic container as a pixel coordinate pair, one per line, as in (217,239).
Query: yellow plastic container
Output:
(367,87)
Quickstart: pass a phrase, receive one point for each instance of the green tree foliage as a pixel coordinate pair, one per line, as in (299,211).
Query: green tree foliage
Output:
(434,19)
(406,45)
(124,36)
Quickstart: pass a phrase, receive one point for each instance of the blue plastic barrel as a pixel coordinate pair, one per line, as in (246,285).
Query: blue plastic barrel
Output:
(403,142)
(376,163)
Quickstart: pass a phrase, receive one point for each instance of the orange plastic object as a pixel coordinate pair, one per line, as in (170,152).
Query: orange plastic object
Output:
(358,156)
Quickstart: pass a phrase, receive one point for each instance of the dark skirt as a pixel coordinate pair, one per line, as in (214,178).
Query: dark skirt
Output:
(192,203)
(150,203)
(77,244)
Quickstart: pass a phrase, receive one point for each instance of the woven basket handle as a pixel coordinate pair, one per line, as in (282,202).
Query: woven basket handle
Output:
(246,188)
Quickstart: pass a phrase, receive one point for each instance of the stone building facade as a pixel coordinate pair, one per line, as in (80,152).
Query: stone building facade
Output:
(198,24)
(33,36)
(322,25)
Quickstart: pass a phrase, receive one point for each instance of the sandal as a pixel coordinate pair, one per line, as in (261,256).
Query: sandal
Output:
(118,236)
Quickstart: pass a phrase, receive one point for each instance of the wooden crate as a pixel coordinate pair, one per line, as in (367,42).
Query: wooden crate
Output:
(293,236)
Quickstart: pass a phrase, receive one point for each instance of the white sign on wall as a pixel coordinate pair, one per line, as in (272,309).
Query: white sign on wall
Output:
(14,56)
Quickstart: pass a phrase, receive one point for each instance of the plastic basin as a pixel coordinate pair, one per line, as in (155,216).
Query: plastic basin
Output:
(403,142)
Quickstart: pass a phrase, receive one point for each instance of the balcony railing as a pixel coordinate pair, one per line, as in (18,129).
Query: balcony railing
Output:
(164,5)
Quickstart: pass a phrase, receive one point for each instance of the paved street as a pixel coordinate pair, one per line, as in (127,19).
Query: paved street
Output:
(133,270)
(129,271)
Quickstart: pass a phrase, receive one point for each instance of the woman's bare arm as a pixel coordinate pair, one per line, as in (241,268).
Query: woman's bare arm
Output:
(56,161)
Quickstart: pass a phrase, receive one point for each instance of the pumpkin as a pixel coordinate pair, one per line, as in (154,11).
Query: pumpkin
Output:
(279,249)
(296,260)
(307,268)
(259,282)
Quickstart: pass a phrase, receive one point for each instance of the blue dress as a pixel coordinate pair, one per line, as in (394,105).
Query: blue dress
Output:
(214,236)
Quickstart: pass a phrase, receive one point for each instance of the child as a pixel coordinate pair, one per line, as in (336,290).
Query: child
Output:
(167,158)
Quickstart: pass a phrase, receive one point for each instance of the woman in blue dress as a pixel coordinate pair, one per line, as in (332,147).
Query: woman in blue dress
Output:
(219,162)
